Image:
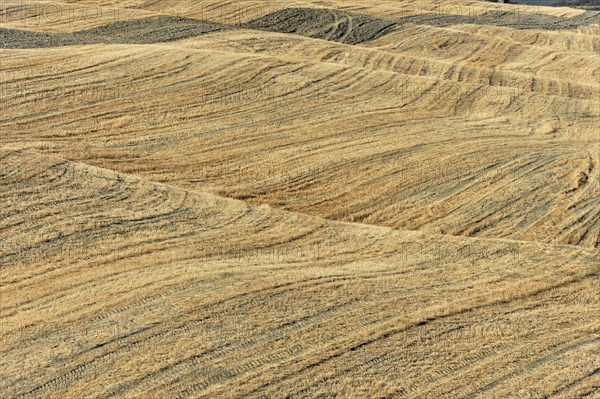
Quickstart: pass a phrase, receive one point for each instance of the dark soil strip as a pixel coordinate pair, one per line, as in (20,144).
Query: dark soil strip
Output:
(139,31)
(152,30)
(515,20)
(332,25)
(14,38)
(350,28)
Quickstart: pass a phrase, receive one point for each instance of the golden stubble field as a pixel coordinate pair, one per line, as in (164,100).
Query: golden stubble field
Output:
(299,199)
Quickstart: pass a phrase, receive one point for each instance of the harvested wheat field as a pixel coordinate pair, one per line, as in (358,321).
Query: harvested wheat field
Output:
(299,199)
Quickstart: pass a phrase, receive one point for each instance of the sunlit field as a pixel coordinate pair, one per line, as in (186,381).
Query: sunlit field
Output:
(299,199)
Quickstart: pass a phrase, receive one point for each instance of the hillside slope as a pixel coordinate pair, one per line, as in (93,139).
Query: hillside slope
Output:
(299,199)
(104,274)
(344,132)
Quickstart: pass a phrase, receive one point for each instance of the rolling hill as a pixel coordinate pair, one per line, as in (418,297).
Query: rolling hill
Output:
(299,199)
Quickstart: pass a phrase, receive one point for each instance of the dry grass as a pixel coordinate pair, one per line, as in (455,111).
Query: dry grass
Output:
(370,134)
(259,214)
(113,285)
